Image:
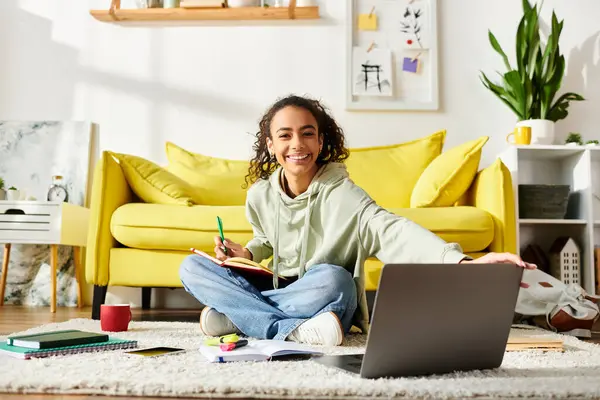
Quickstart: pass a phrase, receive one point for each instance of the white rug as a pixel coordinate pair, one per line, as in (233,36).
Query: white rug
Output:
(572,374)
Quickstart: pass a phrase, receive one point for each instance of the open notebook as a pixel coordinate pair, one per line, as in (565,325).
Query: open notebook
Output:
(239,263)
(257,350)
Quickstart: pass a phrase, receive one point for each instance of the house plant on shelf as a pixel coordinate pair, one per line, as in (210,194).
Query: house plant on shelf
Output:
(574,139)
(2,191)
(13,193)
(530,88)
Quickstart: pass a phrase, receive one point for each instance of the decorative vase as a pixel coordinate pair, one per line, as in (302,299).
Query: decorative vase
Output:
(2,194)
(542,130)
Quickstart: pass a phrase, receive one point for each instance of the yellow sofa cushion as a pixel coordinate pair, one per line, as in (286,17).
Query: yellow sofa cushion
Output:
(389,173)
(449,176)
(217,181)
(151,226)
(153,184)
(160,227)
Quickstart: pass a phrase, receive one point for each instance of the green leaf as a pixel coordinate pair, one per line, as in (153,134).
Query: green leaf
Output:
(521,46)
(512,80)
(550,88)
(526,6)
(499,92)
(496,46)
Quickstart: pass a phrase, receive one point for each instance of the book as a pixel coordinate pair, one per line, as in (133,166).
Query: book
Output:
(201,4)
(27,353)
(239,263)
(257,350)
(534,343)
(48,340)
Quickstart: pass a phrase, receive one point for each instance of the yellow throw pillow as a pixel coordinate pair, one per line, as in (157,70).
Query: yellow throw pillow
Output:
(389,173)
(449,176)
(153,184)
(216,180)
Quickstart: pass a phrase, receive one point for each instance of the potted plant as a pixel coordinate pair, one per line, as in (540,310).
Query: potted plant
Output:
(530,87)
(574,139)
(2,191)
(592,142)
(13,193)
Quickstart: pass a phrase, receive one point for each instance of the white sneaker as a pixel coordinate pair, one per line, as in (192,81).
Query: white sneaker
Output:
(325,329)
(213,323)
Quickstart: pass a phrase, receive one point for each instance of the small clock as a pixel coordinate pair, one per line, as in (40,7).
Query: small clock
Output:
(57,191)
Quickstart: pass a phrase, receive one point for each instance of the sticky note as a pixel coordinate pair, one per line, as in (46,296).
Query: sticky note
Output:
(410,65)
(367,22)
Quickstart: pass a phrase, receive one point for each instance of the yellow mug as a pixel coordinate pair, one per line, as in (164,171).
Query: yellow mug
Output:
(522,135)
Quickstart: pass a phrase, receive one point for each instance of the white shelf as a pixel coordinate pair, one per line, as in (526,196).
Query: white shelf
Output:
(534,221)
(545,152)
(575,166)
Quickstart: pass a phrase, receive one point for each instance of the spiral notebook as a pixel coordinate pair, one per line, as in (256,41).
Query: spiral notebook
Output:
(27,353)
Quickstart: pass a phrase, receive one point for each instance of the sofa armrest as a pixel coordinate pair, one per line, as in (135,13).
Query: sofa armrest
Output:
(492,191)
(110,190)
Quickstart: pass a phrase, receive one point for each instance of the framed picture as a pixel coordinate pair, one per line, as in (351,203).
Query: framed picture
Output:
(392,55)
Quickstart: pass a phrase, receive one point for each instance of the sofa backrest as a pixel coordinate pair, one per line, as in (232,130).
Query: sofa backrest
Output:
(386,173)
(389,173)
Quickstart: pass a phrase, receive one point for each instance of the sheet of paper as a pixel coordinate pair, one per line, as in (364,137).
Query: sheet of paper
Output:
(410,65)
(367,22)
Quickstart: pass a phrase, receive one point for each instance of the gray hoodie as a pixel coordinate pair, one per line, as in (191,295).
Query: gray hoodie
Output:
(335,222)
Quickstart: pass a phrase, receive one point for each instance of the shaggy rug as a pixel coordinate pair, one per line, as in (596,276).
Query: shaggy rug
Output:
(574,373)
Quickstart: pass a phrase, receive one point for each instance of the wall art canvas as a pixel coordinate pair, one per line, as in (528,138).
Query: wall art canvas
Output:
(31,152)
(415,25)
(372,71)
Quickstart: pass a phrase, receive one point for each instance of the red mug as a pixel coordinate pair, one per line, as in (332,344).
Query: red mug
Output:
(115,317)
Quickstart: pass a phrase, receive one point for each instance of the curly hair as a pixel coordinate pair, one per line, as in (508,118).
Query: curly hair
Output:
(262,165)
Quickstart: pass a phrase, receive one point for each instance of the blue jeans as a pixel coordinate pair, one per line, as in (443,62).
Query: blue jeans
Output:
(274,313)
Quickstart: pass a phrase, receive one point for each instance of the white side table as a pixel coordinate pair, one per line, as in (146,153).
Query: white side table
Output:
(43,222)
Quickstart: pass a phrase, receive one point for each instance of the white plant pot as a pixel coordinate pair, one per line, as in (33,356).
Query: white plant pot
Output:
(542,130)
(13,195)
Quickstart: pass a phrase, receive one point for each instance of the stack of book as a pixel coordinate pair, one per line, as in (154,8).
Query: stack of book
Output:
(202,4)
(534,343)
(61,343)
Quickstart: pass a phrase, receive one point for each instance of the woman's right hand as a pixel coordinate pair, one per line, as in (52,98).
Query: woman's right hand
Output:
(233,249)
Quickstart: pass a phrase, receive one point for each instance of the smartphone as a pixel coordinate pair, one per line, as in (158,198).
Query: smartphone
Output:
(155,351)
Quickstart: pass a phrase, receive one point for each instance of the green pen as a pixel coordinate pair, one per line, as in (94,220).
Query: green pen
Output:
(220,223)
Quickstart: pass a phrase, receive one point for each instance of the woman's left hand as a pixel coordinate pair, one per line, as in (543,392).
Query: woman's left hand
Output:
(502,258)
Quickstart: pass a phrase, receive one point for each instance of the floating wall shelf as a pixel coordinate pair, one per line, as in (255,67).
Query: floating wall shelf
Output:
(116,14)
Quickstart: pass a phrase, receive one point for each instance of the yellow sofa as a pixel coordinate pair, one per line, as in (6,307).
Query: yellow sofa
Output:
(138,244)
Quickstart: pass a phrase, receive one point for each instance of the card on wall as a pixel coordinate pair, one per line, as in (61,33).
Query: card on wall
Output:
(367,22)
(415,25)
(371,71)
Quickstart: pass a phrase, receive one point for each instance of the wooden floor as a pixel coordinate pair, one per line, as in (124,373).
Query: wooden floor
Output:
(18,318)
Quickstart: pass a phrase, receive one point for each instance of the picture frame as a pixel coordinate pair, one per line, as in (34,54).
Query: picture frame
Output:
(407,29)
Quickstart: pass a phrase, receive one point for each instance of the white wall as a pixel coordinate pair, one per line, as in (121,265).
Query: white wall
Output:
(205,87)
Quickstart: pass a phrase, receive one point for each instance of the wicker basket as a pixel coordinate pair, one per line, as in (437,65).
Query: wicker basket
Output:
(543,201)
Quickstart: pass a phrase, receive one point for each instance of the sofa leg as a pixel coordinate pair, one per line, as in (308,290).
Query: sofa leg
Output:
(99,298)
(146,298)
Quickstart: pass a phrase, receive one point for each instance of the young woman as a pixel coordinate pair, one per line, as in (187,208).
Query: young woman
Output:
(319,227)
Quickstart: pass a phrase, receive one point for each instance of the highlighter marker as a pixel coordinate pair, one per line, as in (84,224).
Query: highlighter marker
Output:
(231,346)
(232,338)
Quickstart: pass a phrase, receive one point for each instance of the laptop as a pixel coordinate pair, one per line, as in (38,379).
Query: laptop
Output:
(435,319)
